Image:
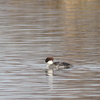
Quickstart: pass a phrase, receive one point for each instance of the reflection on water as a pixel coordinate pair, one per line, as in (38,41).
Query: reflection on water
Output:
(33,30)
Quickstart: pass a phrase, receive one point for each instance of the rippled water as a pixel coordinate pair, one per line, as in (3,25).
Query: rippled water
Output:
(32,30)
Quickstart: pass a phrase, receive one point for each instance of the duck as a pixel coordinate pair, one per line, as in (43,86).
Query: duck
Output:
(51,65)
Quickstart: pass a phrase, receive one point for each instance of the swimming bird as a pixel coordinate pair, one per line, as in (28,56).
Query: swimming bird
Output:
(56,65)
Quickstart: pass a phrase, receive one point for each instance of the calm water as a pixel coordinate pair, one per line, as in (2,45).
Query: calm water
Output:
(31,30)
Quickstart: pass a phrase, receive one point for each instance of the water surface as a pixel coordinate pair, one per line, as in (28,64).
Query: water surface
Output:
(32,30)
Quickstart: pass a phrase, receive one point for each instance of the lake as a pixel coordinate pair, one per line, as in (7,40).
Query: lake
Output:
(31,30)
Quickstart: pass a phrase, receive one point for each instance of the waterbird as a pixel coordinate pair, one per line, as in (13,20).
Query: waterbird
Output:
(51,66)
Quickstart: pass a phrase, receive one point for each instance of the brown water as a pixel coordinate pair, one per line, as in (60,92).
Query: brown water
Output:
(31,30)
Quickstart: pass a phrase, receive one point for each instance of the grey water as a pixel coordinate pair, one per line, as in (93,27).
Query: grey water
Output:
(31,30)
